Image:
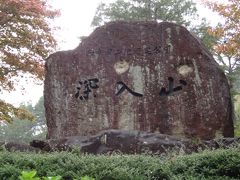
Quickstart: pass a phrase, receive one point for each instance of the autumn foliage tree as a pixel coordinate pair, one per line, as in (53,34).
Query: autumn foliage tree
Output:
(25,40)
(227,48)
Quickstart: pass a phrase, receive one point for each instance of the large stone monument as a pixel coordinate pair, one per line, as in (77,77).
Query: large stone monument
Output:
(146,76)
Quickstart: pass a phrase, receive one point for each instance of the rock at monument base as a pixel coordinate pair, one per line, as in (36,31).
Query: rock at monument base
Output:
(132,142)
(123,142)
(20,147)
(144,76)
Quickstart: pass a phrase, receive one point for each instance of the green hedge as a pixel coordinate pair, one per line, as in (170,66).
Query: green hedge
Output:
(218,164)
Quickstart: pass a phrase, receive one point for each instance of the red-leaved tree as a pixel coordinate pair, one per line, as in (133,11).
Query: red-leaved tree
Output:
(26,38)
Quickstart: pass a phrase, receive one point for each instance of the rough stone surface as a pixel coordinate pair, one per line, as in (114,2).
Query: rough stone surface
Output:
(19,147)
(132,142)
(145,76)
(126,142)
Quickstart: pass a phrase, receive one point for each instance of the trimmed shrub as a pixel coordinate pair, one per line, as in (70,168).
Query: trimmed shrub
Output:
(218,164)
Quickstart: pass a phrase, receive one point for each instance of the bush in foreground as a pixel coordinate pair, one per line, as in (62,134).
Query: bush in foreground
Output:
(218,164)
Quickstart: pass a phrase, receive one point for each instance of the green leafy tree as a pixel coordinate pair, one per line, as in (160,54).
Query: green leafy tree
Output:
(151,10)
(181,12)
(25,130)
(202,32)
(19,131)
(39,112)
(25,40)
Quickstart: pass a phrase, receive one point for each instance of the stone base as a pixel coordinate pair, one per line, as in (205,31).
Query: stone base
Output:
(126,142)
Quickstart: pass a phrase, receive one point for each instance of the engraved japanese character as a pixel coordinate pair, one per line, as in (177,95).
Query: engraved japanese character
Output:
(122,87)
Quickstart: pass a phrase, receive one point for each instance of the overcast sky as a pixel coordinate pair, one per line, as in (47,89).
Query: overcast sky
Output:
(75,21)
